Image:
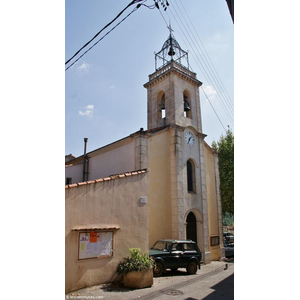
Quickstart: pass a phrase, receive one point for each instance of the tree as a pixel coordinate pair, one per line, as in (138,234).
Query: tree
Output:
(225,148)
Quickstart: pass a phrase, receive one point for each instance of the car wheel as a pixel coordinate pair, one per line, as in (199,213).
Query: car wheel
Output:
(192,268)
(158,269)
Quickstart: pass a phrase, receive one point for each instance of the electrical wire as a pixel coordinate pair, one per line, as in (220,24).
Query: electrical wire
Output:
(213,108)
(206,69)
(131,3)
(203,68)
(101,38)
(223,89)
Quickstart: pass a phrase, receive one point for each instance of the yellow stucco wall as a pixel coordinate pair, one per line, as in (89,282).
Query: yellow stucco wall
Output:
(212,204)
(112,203)
(160,215)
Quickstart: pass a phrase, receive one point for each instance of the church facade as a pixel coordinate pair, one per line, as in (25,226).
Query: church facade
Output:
(183,188)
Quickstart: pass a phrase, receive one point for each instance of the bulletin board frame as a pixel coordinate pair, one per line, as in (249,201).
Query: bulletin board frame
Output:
(93,244)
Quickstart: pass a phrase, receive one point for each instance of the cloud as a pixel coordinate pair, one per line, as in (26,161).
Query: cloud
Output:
(210,92)
(88,110)
(83,67)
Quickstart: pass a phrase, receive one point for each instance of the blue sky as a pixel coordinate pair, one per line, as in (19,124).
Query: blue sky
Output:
(104,95)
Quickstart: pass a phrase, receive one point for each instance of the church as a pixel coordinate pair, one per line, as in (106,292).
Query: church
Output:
(162,182)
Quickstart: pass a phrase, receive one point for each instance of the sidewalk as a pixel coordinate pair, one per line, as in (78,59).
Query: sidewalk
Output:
(160,284)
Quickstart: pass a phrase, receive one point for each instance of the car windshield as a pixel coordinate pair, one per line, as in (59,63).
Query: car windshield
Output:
(161,245)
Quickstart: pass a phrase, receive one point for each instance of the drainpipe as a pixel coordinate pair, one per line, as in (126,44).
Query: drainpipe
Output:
(85,162)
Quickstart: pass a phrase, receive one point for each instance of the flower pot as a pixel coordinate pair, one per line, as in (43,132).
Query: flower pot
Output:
(139,279)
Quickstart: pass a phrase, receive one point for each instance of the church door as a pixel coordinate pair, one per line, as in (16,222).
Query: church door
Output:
(191,227)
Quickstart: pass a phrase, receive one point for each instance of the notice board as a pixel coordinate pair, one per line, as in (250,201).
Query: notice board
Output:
(95,244)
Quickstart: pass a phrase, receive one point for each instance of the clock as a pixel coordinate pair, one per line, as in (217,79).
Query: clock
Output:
(189,138)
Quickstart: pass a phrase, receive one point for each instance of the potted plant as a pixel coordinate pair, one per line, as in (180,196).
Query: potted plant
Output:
(137,269)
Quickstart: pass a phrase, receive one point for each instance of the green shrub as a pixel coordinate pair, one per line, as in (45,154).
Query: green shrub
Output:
(135,262)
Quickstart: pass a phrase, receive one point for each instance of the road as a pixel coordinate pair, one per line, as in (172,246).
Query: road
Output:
(216,285)
(214,281)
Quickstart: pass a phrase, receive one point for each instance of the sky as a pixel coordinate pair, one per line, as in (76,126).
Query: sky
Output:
(104,95)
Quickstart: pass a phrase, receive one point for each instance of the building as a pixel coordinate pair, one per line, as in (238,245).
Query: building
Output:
(178,195)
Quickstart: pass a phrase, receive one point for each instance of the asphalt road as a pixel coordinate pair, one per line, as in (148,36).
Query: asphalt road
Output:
(214,281)
(216,285)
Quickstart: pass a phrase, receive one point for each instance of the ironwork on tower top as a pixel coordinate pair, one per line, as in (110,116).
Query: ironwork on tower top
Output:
(171,51)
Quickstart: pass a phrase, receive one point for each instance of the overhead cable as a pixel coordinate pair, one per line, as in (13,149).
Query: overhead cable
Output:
(101,38)
(207,55)
(225,108)
(205,69)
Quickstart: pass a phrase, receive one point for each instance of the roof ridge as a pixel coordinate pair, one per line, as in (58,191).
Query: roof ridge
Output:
(111,177)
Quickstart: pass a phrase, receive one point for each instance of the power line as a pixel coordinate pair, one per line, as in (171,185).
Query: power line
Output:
(202,67)
(213,67)
(213,108)
(226,109)
(164,3)
(101,38)
(131,3)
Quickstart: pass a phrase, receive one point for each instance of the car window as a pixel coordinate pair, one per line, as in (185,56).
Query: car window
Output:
(189,247)
(176,247)
(161,245)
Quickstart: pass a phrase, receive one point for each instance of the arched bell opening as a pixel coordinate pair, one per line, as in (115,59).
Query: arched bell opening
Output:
(161,105)
(187,104)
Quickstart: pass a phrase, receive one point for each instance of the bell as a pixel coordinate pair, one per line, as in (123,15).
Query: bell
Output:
(171,51)
(186,106)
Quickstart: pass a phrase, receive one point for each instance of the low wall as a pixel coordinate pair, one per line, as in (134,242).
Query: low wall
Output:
(108,204)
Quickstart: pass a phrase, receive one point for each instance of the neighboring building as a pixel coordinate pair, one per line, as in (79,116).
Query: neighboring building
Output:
(230,4)
(69,157)
(183,199)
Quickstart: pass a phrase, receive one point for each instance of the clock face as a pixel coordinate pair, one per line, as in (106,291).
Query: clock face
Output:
(189,138)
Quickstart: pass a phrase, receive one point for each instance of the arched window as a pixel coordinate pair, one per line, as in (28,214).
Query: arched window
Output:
(187,105)
(190,167)
(163,106)
(161,103)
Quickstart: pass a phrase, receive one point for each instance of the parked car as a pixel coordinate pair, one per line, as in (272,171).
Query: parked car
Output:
(229,237)
(174,254)
(229,249)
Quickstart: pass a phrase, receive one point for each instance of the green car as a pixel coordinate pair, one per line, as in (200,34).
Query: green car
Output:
(174,254)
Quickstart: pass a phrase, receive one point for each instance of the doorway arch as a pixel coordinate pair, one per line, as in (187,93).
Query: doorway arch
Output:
(191,227)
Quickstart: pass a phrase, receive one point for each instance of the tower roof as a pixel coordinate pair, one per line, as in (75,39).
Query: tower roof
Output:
(171,51)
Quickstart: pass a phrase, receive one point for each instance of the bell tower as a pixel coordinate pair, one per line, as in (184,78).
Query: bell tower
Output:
(174,113)
(173,89)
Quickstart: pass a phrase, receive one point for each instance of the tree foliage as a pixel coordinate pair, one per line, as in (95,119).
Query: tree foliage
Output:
(225,148)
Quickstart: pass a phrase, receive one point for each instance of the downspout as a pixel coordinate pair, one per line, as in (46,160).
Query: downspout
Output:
(85,162)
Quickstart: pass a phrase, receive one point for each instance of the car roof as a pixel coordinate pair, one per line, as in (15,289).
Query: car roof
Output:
(175,241)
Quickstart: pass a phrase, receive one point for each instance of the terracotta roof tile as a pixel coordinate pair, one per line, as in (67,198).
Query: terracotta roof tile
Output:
(112,177)
(95,228)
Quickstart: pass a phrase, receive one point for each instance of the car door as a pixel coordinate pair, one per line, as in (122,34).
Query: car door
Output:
(189,251)
(174,259)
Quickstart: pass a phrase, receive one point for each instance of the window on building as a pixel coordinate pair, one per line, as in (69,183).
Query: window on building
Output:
(214,240)
(191,176)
